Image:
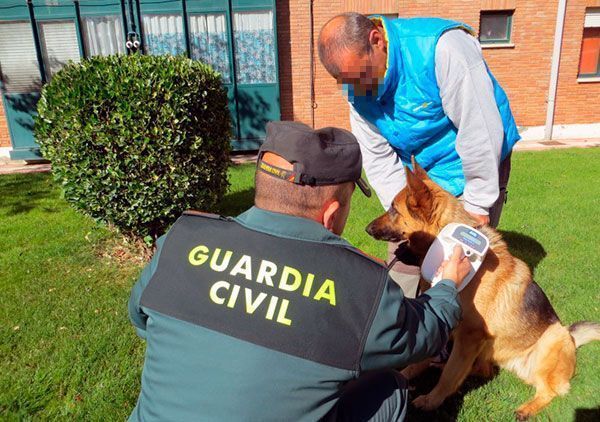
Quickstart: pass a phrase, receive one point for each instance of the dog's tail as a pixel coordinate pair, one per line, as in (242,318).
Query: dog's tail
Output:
(584,331)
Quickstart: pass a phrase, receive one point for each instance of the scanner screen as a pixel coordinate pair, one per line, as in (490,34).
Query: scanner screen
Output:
(470,238)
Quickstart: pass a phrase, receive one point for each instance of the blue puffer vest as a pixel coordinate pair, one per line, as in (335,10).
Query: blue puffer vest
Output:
(408,109)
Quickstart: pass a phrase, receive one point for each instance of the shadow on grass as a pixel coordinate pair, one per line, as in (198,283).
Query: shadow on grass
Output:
(525,248)
(450,409)
(22,193)
(587,415)
(236,202)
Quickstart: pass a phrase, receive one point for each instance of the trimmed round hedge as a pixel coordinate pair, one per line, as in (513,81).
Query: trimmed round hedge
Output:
(135,140)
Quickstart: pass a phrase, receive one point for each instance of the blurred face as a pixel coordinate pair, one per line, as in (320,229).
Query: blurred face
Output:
(365,72)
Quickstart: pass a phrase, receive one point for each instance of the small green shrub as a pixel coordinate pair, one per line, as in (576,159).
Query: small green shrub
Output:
(135,140)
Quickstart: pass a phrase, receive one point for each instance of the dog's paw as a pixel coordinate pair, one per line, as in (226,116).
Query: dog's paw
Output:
(427,402)
(522,415)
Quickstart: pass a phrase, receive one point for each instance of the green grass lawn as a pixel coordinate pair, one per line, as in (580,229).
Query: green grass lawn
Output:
(68,351)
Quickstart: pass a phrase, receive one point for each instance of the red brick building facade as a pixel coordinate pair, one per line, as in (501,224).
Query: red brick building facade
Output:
(522,66)
(4,137)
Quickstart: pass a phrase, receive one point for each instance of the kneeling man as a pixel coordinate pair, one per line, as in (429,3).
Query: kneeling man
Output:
(272,315)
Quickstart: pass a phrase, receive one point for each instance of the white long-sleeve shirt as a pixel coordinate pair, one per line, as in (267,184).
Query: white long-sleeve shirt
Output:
(468,100)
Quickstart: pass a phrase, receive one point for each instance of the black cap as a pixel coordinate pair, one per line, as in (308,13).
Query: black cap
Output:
(327,156)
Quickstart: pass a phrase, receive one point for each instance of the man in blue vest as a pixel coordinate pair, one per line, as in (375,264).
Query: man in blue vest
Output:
(272,315)
(421,87)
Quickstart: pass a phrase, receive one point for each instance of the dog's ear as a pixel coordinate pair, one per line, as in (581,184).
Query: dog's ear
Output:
(419,200)
(417,169)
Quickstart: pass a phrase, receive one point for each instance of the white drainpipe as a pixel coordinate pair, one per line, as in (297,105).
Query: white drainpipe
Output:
(558,35)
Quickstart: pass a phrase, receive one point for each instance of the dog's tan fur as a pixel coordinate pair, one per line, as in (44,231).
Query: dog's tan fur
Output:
(506,321)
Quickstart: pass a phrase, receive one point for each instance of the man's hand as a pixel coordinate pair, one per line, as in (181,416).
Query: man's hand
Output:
(456,268)
(481,219)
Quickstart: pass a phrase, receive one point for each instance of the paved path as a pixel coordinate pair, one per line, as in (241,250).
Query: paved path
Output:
(8,166)
(557,144)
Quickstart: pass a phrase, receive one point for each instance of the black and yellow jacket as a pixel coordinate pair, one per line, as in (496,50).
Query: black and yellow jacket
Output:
(265,317)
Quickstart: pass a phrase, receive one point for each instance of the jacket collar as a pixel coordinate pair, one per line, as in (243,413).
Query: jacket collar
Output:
(287,226)
(390,80)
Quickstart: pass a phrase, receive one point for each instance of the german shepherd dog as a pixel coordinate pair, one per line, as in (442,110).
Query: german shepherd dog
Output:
(507,320)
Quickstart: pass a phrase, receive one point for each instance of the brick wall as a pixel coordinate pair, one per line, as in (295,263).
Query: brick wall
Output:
(4,137)
(332,108)
(576,102)
(293,39)
(523,70)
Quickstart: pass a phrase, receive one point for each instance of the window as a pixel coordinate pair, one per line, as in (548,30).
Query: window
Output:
(254,43)
(589,63)
(59,45)
(208,42)
(19,69)
(164,34)
(103,35)
(495,27)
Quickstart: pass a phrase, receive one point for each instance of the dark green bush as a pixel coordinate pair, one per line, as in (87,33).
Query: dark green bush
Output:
(135,140)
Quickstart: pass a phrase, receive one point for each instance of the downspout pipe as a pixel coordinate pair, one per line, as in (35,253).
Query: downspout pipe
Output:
(141,20)
(125,26)
(558,36)
(36,39)
(80,29)
(313,102)
(186,29)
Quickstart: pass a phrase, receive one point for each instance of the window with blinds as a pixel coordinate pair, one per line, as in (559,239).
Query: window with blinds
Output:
(59,44)
(589,62)
(19,68)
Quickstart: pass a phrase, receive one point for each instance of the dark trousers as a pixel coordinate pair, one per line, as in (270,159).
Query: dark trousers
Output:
(375,396)
(503,176)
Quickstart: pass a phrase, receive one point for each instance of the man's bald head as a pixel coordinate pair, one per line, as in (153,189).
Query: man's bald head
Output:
(345,33)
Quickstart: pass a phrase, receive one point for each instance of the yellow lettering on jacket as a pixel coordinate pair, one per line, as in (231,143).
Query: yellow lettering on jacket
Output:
(224,264)
(198,255)
(253,301)
(266,272)
(281,316)
(252,305)
(308,284)
(244,266)
(284,281)
(272,307)
(327,291)
(234,295)
(213,291)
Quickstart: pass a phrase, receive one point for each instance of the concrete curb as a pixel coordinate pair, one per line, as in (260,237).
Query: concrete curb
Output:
(557,144)
(244,158)
(8,166)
